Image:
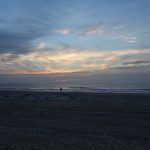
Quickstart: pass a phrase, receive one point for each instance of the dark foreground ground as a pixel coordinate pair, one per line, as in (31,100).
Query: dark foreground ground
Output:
(74,121)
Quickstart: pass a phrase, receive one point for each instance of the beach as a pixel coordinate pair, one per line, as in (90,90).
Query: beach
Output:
(31,120)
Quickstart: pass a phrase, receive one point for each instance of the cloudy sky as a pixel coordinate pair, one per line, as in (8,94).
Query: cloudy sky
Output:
(74,36)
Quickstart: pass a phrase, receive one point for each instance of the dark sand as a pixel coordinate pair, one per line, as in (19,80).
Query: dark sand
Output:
(74,121)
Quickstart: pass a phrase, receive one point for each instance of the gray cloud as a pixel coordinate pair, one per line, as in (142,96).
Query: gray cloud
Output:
(26,22)
(91,30)
(19,31)
(14,42)
(136,62)
(8,58)
(18,38)
(131,69)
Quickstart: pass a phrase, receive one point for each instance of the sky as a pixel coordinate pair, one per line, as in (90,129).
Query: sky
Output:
(75,37)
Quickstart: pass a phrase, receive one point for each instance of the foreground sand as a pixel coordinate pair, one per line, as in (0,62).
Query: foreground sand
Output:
(74,121)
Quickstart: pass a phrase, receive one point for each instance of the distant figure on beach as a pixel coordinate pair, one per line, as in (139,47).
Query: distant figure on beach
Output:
(60,90)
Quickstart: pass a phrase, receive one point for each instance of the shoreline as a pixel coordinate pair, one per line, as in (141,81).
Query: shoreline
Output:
(101,91)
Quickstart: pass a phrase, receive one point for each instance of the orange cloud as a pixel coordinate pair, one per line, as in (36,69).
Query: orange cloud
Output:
(75,60)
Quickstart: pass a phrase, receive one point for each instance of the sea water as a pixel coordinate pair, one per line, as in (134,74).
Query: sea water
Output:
(54,83)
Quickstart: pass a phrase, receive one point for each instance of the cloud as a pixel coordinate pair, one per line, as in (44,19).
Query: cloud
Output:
(19,41)
(137,62)
(136,69)
(91,30)
(7,57)
(115,32)
(120,36)
(63,31)
(60,60)
(18,34)
(129,39)
(15,42)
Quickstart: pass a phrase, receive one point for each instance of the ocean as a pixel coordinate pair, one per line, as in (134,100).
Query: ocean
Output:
(72,83)
(70,88)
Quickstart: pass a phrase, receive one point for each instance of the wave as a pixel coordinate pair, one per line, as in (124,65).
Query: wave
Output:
(78,89)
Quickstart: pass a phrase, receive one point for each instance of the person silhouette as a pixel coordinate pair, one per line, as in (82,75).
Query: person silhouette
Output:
(60,90)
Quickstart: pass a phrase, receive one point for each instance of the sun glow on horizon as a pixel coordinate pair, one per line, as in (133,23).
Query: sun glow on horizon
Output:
(38,62)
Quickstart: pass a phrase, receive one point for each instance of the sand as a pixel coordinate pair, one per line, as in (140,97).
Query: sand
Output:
(74,121)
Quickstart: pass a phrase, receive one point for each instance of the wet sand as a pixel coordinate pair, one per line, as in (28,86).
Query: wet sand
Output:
(74,121)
